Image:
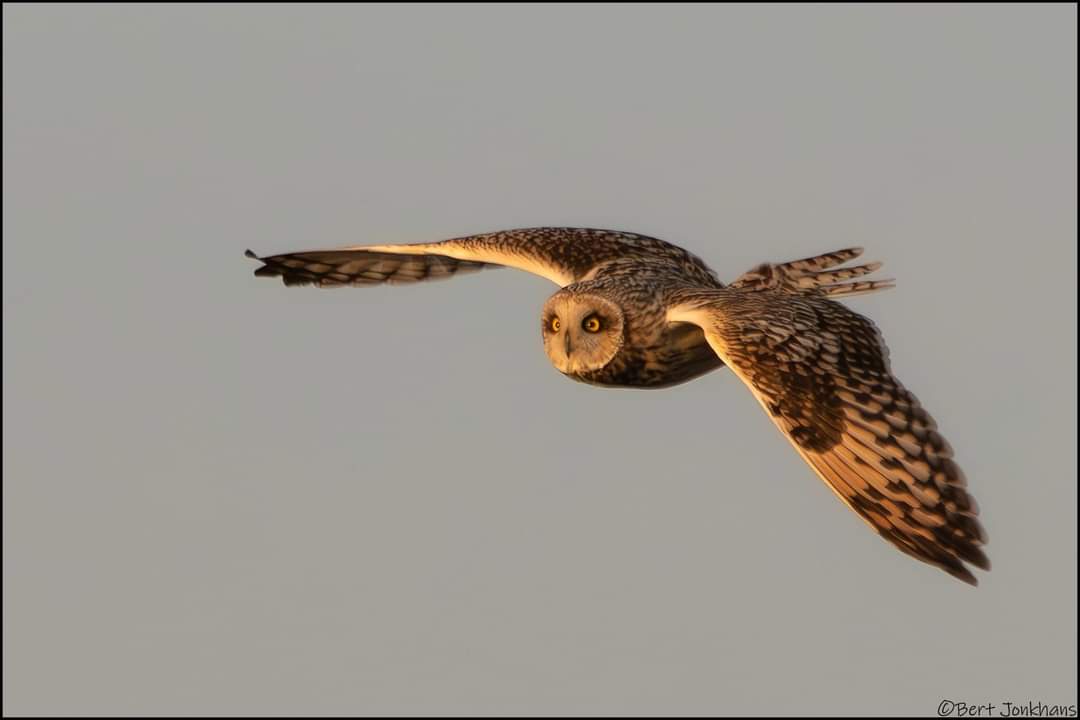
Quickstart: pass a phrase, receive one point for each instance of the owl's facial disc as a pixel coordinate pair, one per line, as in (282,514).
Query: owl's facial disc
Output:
(582,332)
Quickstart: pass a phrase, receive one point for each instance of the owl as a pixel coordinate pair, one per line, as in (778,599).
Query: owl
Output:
(637,312)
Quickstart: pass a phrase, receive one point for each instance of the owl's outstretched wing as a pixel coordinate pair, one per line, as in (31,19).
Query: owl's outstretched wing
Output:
(822,374)
(562,255)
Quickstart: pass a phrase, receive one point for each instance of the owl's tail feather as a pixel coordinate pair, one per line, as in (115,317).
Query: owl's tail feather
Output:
(857,288)
(821,262)
(813,275)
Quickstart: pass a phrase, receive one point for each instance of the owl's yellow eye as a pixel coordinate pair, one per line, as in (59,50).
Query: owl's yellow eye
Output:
(555,324)
(591,324)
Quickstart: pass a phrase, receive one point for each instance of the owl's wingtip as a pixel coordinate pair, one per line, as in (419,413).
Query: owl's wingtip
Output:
(248,253)
(961,572)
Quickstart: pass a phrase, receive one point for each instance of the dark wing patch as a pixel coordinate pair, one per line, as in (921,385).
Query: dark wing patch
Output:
(780,363)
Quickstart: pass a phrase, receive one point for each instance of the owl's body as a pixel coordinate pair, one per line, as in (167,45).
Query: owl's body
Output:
(652,352)
(669,357)
(636,311)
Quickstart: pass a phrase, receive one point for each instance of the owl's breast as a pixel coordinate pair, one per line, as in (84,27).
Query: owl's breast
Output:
(679,355)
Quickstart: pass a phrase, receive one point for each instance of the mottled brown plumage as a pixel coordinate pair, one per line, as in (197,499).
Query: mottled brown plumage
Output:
(635,311)
(822,373)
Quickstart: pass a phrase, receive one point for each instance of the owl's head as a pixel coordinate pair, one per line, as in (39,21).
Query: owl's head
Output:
(582,331)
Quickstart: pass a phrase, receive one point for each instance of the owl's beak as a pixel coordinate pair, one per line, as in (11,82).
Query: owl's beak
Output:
(566,344)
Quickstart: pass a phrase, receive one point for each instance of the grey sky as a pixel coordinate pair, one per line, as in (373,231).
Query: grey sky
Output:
(225,496)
